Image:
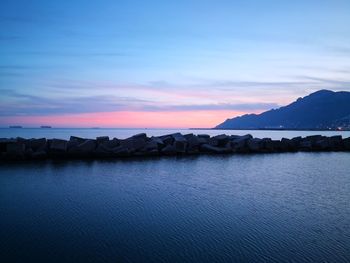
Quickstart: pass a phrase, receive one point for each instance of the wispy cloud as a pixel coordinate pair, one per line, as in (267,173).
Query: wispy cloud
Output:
(74,53)
(22,19)
(23,104)
(227,84)
(8,38)
(18,104)
(343,50)
(218,106)
(9,74)
(15,67)
(332,83)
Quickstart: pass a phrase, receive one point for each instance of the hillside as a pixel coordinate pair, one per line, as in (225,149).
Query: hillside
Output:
(323,109)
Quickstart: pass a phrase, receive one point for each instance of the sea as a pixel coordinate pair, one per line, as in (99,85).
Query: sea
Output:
(280,207)
(91,133)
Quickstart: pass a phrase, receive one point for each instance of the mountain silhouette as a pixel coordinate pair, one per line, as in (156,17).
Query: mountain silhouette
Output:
(323,109)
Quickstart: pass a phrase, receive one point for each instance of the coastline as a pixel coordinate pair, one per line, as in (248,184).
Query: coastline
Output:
(140,145)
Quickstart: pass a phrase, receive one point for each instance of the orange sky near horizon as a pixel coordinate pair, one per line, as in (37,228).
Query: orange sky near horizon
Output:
(130,119)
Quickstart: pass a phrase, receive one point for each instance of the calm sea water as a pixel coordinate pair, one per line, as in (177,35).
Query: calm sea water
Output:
(124,133)
(290,207)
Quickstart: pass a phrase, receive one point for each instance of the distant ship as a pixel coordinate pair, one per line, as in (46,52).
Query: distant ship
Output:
(45,127)
(15,126)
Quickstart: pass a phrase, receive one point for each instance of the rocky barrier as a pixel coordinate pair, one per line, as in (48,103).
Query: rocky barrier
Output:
(172,144)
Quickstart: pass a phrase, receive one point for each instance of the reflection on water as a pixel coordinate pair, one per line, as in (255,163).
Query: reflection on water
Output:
(256,208)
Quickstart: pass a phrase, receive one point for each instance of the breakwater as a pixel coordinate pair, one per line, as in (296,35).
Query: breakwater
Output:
(171,144)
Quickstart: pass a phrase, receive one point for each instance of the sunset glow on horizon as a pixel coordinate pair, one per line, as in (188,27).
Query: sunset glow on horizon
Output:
(184,119)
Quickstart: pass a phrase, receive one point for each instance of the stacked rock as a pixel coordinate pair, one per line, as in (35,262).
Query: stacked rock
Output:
(171,144)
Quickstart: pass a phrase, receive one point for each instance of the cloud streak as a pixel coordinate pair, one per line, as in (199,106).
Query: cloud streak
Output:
(56,53)
(9,38)
(333,82)
(18,104)
(215,107)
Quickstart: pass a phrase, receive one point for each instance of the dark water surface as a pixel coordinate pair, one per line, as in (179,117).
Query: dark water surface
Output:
(291,207)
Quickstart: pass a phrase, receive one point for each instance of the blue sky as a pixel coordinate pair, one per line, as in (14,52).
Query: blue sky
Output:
(61,58)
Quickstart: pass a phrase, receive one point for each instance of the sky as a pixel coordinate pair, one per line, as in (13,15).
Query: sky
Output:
(165,64)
